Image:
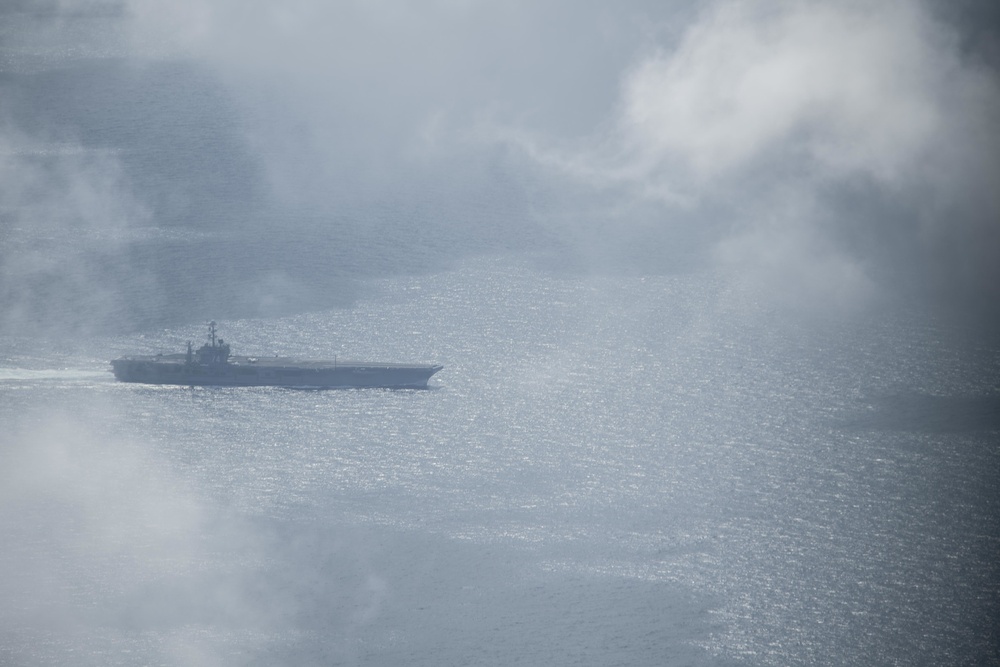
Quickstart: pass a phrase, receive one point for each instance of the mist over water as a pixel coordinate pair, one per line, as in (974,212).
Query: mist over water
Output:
(714,287)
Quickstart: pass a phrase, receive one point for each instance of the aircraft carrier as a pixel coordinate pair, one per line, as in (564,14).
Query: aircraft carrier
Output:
(213,365)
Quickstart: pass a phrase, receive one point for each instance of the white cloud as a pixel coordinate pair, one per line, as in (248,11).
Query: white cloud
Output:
(851,87)
(868,116)
(787,256)
(766,102)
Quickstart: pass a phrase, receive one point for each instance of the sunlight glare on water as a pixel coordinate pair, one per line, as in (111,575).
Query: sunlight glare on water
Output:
(590,436)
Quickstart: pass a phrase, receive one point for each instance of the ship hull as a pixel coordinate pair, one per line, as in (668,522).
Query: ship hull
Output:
(251,372)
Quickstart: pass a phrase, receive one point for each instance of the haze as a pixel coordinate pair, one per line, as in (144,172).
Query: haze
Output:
(831,152)
(716,286)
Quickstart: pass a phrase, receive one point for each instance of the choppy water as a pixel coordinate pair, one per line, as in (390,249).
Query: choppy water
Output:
(610,470)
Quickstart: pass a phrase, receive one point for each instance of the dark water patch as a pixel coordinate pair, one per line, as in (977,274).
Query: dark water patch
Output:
(926,413)
(397,597)
(175,130)
(317,592)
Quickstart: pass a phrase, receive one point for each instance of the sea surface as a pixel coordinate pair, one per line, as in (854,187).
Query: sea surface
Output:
(611,469)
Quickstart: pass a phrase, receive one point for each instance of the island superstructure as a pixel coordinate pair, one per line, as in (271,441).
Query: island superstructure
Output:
(212,364)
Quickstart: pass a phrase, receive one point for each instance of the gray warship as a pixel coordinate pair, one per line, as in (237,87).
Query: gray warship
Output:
(213,365)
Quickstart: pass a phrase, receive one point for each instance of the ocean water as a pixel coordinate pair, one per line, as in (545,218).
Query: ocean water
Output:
(611,469)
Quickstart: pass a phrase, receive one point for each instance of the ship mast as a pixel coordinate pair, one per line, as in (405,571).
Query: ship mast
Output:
(215,351)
